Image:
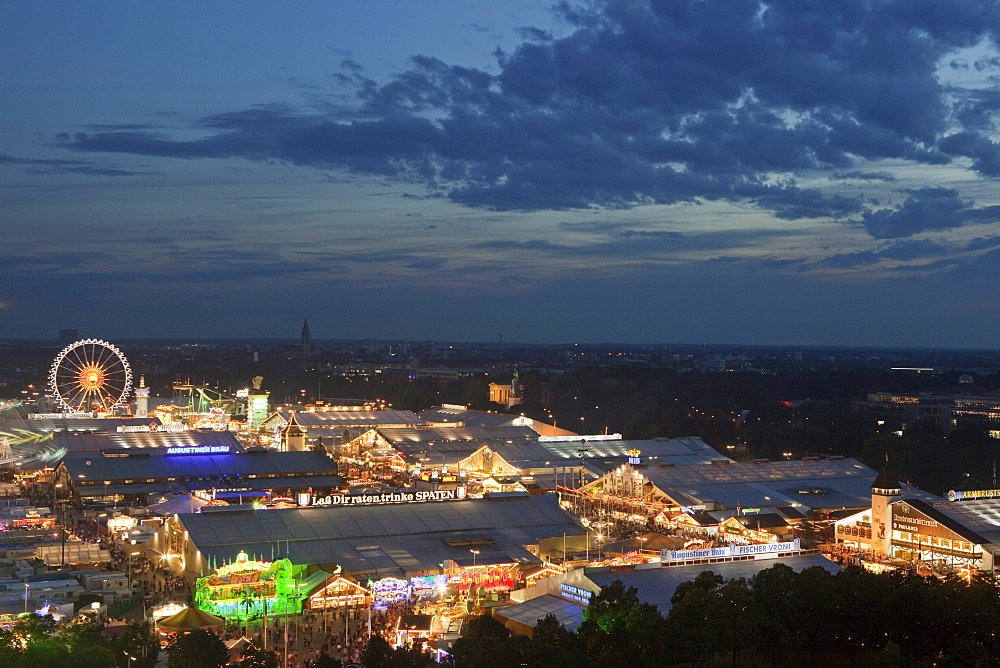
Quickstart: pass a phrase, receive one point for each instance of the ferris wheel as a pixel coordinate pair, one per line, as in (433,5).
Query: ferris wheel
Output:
(90,375)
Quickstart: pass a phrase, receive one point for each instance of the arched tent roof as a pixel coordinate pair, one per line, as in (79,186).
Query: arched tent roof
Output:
(189,619)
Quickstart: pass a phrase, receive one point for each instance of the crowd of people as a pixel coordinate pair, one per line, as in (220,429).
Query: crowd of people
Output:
(341,633)
(158,584)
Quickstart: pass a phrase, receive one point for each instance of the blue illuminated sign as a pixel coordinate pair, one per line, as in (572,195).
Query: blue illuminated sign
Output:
(198,450)
(576,594)
(728,551)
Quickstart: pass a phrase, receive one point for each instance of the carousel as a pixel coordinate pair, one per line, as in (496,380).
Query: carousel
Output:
(474,581)
(187,620)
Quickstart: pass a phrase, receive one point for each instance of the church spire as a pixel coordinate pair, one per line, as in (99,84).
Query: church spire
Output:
(306,345)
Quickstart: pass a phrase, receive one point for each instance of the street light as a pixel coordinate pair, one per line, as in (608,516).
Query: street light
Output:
(55,486)
(583,456)
(128,572)
(474,553)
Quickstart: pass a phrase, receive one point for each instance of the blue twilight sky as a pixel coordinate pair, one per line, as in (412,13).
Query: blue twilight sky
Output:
(786,172)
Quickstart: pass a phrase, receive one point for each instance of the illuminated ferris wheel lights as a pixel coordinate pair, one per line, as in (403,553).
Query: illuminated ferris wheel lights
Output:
(90,375)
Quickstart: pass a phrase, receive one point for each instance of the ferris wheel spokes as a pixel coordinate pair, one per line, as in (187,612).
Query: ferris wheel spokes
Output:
(90,375)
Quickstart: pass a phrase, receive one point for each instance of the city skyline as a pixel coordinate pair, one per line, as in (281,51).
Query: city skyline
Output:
(758,173)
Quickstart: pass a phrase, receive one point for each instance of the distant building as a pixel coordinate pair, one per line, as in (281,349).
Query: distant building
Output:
(964,405)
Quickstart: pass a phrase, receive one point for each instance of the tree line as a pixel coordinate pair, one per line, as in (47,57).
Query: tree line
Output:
(778,617)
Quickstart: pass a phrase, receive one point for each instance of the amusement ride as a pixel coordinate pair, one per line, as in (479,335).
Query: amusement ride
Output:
(90,375)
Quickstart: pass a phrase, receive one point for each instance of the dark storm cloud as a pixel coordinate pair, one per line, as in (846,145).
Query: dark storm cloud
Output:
(985,154)
(41,166)
(926,209)
(652,103)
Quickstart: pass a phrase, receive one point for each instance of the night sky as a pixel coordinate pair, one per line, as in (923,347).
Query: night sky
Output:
(791,172)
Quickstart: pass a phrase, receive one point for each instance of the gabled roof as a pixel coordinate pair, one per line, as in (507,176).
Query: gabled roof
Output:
(292,428)
(820,484)
(348,419)
(947,520)
(437,435)
(762,521)
(981,516)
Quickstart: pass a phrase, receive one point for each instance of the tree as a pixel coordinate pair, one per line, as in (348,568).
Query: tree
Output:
(137,640)
(197,649)
(611,606)
(619,628)
(815,605)
(10,648)
(692,626)
(35,628)
(548,631)
(486,626)
(327,661)
(772,594)
(258,657)
(487,643)
(377,653)
(736,615)
(552,646)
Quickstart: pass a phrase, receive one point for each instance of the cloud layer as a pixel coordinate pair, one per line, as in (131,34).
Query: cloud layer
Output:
(657,103)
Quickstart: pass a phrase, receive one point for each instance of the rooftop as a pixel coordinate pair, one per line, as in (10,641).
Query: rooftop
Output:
(407,536)
(814,483)
(96,469)
(348,419)
(657,585)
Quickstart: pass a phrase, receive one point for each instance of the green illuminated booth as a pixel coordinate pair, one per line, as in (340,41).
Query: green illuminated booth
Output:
(247,588)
